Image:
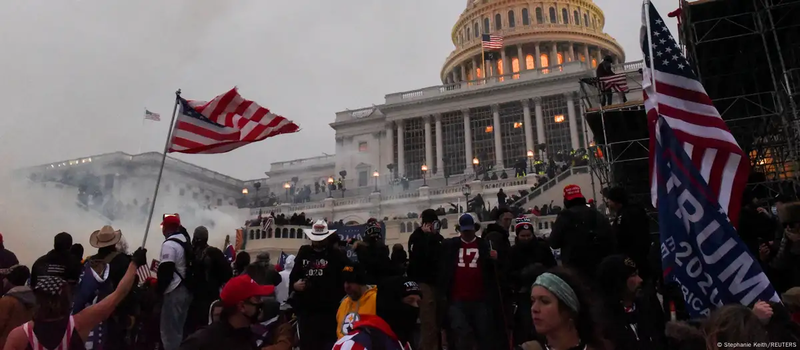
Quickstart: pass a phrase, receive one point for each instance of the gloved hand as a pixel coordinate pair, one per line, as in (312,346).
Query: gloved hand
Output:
(139,257)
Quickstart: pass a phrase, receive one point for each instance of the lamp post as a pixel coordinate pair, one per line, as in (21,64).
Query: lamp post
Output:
(287,186)
(376,174)
(475,163)
(330,183)
(244,193)
(424,169)
(466,191)
(530,160)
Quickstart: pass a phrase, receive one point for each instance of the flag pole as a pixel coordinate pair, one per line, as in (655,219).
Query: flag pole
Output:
(649,35)
(483,63)
(161,169)
(141,133)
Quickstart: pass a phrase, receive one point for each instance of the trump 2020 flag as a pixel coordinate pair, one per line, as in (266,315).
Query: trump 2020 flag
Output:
(700,249)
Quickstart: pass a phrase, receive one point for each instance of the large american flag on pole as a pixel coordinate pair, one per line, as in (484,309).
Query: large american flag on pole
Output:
(672,90)
(223,124)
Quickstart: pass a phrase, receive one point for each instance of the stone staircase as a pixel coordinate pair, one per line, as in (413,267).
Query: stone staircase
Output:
(552,189)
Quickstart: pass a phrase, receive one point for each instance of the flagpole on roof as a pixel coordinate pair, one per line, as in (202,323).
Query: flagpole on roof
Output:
(141,132)
(161,169)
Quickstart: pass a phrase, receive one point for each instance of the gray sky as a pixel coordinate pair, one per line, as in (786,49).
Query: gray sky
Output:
(76,75)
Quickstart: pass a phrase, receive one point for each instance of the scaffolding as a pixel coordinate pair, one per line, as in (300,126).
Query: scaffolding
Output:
(746,56)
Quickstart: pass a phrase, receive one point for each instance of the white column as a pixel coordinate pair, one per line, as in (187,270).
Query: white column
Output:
(463,74)
(487,65)
(573,124)
(586,55)
(539,122)
(571,53)
(599,54)
(439,145)
(475,68)
(554,54)
(498,141)
(506,67)
(401,154)
(523,66)
(538,53)
(389,144)
(428,143)
(467,141)
(526,124)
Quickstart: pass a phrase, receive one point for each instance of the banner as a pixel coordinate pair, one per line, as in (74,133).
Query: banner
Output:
(700,249)
(347,233)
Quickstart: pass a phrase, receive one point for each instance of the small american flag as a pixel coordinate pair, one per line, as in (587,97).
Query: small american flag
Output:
(673,91)
(144,273)
(223,124)
(492,42)
(152,116)
(616,82)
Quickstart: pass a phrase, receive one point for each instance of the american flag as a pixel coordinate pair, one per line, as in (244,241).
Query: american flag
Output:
(144,273)
(492,42)
(616,82)
(672,90)
(152,116)
(223,124)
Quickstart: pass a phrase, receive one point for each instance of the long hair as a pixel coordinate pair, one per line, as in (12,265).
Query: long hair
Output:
(733,323)
(587,320)
(50,307)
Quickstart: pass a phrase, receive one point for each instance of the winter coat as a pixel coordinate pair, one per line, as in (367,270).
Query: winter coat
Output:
(220,335)
(375,259)
(282,290)
(322,272)
(16,308)
(631,227)
(367,333)
(7,260)
(263,273)
(423,256)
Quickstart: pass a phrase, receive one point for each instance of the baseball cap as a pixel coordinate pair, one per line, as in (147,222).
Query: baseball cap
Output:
(171,219)
(411,288)
(466,222)
(241,288)
(572,192)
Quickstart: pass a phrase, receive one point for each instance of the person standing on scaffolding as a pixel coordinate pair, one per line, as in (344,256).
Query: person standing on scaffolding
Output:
(606,91)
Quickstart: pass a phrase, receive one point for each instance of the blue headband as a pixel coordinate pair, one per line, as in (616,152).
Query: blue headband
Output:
(559,288)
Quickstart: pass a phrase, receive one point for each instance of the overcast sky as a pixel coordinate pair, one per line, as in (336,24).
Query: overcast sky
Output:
(76,75)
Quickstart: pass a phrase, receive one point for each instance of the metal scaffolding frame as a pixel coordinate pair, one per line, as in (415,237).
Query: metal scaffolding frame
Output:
(764,119)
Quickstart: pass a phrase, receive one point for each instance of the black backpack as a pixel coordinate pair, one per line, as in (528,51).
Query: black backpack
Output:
(590,240)
(193,275)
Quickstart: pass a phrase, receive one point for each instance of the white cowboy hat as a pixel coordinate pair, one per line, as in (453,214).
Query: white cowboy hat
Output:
(319,231)
(105,237)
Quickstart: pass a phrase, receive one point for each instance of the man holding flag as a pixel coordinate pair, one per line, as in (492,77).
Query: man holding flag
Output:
(698,175)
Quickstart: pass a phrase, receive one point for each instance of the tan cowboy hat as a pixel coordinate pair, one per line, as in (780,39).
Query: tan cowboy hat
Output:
(105,237)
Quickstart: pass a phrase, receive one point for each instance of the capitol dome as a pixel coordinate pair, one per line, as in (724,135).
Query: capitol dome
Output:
(536,34)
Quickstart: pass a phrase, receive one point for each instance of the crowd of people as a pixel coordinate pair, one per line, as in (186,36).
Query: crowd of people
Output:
(474,291)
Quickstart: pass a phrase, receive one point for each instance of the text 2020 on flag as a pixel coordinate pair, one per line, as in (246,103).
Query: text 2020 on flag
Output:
(673,91)
(700,248)
(225,123)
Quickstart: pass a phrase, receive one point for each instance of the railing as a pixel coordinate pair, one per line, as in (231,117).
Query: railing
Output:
(550,184)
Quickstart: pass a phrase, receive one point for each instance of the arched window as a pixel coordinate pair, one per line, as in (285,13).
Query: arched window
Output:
(476,30)
(500,70)
(586,19)
(553,18)
(560,58)
(515,65)
(526,20)
(485,26)
(498,22)
(583,58)
(545,60)
(511,20)
(565,16)
(468,34)
(478,73)
(252,234)
(594,63)
(594,22)
(577,19)
(269,232)
(539,15)
(530,62)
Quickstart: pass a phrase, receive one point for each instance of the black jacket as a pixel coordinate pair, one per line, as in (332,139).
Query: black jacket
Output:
(643,328)
(220,335)
(631,228)
(324,282)
(579,252)
(59,264)
(423,256)
(524,255)
(374,257)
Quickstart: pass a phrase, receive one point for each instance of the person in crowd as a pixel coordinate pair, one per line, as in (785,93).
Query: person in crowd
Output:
(173,276)
(604,70)
(241,263)
(77,251)
(563,314)
(583,235)
(213,271)
(756,227)
(636,316)
(468,282)
(501,199)
(102,273)
(631,227)
(243,306)
(424,248)
(733,323)
(7,261)
(684,336)
(373,253)
(392,327)
(399,258)
(58,262)
(262,271)
(360,300)
(783,267)
(18,304)
(53,327)
(282,290)
(317,281)
(148,319)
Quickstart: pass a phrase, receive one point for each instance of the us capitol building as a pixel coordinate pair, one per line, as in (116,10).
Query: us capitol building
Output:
(525,106)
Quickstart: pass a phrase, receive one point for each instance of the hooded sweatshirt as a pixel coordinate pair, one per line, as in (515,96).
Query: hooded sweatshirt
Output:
(367,333)
(16,308)
(350,311)
(322,271)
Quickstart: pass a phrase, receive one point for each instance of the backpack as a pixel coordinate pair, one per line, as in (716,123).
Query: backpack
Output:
(194,273)
(589,240)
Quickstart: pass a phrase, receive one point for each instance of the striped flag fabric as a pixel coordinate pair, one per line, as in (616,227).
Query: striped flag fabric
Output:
(616,83)
(673,91)
(152,116)
(144,273)
(223,124)
(492,42)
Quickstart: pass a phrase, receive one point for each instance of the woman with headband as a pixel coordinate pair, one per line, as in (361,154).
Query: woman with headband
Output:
(562,315)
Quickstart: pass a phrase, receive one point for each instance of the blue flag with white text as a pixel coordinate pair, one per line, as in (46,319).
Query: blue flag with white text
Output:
(700,249)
